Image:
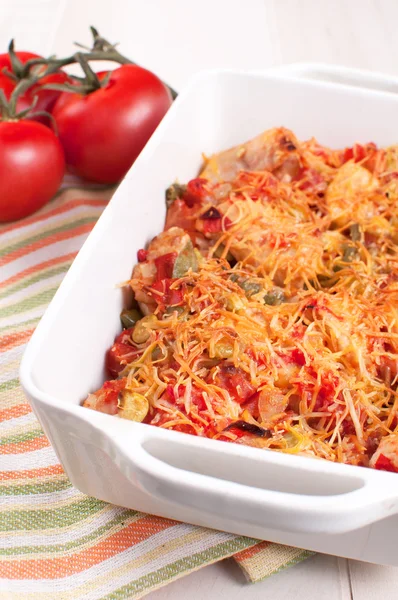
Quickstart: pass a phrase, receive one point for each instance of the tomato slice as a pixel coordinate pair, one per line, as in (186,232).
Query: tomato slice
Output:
(167,296)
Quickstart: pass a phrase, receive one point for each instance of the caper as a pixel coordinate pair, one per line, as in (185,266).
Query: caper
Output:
(132,406)
(175,309)
(355,232)
(249,286)
(324,281)
(219,251)
(157,353)
(275,297)
(350,253)
(142,329)
(129,317)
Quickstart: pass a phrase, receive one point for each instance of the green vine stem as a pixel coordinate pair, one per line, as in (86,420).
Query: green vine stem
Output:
(8,108)
(101,50)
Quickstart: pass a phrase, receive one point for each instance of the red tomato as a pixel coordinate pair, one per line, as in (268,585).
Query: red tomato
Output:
(104,131)
(118,357)
(312,181)
(142,255)
(212,225)
(32,166)
(167,296)
(196,191)
(164,265)
(236,381)
(196,396)
(252,405)
(368,154)
(46,99)
(295,356)
(383,463)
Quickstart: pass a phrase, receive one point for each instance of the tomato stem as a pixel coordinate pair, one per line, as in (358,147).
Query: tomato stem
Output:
(101,50)
(17,66)
(8,108)
(91,79)
(19,90)
(3,106)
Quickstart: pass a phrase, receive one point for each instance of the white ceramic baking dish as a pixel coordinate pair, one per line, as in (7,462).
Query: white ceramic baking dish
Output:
(333,508)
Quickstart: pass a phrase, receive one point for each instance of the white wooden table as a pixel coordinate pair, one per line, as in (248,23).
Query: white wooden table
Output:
(176,38)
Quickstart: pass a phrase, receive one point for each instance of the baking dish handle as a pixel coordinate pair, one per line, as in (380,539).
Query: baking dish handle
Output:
(340,75)
(222,481)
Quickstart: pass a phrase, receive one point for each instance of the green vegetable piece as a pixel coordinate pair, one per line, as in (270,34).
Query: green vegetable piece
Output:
(218,252)
(337,268)
(355,232)
(349,253)
(130,317)
(275,297)
(249,286)
(186,260)
(173,192)
(324,281)
(157,353)
(172,309)
(143,328)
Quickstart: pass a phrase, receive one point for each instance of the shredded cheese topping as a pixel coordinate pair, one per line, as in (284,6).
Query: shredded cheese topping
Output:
(285,334)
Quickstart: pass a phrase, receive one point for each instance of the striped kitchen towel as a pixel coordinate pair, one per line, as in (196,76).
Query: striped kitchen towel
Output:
(54,541)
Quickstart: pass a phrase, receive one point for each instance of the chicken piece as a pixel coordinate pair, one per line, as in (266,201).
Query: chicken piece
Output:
(106,399)
(391,166)
(274,150)
(386,456)
(114,398)
(170,242)
(348,195)
(271,402)
(269,238)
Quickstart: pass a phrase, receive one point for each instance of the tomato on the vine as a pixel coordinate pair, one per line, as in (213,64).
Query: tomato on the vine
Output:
(103,131)
(45,98)
(5,60)
(32,166)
